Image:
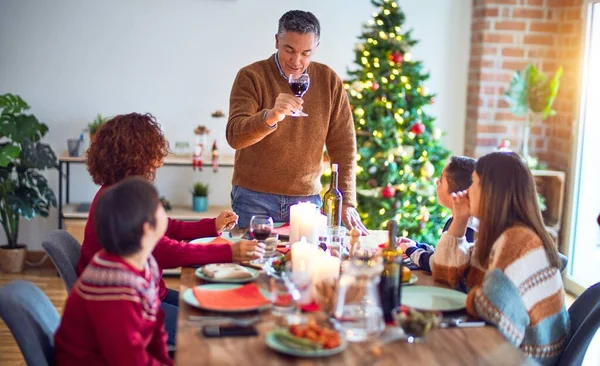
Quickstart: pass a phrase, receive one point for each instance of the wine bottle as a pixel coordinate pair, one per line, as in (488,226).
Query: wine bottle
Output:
(391,276)
(332,200)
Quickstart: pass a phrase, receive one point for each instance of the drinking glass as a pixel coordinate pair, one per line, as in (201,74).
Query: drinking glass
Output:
(297,281)
(299,87)
(260,229)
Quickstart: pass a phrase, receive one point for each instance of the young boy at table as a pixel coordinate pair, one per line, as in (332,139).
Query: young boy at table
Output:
(511,272)
(113,314)
(455,177)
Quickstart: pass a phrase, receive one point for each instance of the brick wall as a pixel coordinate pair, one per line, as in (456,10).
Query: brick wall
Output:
(506,35)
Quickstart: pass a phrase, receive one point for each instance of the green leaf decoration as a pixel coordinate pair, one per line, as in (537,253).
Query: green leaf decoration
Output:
(530,91)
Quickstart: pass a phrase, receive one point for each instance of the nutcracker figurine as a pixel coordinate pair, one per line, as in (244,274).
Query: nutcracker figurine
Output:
(200,132)
(215,157)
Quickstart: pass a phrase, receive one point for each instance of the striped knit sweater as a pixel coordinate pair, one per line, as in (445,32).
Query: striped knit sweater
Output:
(518,291)
(113,316)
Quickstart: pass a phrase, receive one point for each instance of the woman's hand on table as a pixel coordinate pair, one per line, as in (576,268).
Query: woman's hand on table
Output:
(246,250)
(226,221)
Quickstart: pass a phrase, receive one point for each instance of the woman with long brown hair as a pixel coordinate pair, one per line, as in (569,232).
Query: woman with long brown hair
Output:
(134,145)
(511,273)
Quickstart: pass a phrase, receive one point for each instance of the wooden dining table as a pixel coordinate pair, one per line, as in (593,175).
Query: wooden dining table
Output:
(451,346)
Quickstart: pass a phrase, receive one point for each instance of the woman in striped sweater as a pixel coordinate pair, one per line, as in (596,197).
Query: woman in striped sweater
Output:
(511,273)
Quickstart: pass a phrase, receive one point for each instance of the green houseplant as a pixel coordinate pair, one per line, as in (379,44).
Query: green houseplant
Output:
(95,125)
(531,95)
(24,191)
(200,197)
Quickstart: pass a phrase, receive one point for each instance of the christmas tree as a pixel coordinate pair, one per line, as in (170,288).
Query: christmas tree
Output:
(399,153)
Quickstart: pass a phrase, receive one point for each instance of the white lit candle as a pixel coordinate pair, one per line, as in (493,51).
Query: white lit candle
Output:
(299,213)
(321,224)
(303,256)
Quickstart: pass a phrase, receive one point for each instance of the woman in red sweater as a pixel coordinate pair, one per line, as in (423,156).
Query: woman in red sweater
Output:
(134,145)
(113,314)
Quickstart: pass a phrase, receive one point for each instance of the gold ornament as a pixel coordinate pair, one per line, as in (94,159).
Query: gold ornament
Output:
(427,170)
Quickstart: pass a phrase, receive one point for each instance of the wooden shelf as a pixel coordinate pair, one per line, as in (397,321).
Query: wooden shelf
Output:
(170,160)
(178,213)
(551,185)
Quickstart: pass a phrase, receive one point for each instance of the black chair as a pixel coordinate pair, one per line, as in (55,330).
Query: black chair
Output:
(65,251)
(585,322)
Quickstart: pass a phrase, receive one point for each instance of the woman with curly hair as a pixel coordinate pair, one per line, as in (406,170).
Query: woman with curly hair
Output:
(134,145)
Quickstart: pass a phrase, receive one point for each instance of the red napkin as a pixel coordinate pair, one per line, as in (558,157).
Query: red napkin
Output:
(243,298)
(284,300)
(283,250)
(282,230)
(310,308)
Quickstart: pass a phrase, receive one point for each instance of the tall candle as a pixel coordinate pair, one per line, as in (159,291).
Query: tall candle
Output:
(321,224)
(300,213)
(303,255)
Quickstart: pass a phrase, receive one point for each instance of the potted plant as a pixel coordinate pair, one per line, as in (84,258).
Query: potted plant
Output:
(200,197)
(530,95)
(95,125)
(24,191)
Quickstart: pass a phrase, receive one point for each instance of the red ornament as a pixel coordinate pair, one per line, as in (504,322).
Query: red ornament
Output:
(408,98)
(418,128)
(505,144)
(396,57)
(388,192)
(432,100)
(598,220)
(375,86)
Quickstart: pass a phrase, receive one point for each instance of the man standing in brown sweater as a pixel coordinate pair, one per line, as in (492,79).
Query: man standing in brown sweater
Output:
(278,159)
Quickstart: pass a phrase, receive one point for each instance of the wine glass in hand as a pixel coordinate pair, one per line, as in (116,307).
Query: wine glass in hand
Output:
(260,229)
(299,86)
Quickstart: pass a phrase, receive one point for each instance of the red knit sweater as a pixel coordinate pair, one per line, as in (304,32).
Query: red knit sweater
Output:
(113,317)
(170,252)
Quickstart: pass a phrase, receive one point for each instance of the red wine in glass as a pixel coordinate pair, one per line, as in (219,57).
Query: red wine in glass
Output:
(299,87)
(261,233)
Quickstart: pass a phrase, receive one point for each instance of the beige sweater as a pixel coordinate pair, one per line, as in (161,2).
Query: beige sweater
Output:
(286,159)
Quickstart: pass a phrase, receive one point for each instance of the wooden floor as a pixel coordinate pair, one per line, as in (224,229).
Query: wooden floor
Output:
(47,279)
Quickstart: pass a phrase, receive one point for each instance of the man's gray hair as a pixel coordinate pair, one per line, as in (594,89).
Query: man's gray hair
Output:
(300,22)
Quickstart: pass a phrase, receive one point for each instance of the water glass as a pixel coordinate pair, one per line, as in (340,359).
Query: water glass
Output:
(282,300)
(337,240)
(271,245)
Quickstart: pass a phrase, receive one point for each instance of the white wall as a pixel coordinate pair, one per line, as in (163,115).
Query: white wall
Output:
(72,59)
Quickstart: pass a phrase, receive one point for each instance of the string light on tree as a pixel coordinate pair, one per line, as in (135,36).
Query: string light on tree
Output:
(386,89)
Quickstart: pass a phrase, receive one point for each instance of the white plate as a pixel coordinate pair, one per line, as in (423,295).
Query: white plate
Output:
(211,238)
(433,298)
(203,277)
(190,299)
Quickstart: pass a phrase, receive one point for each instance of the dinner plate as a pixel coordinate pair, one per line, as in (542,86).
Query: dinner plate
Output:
(275,344)
(211,238)
(433,298)
(202,276)
(190,299)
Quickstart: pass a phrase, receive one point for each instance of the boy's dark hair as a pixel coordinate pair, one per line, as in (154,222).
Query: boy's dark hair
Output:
(121,212)
(459,173)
